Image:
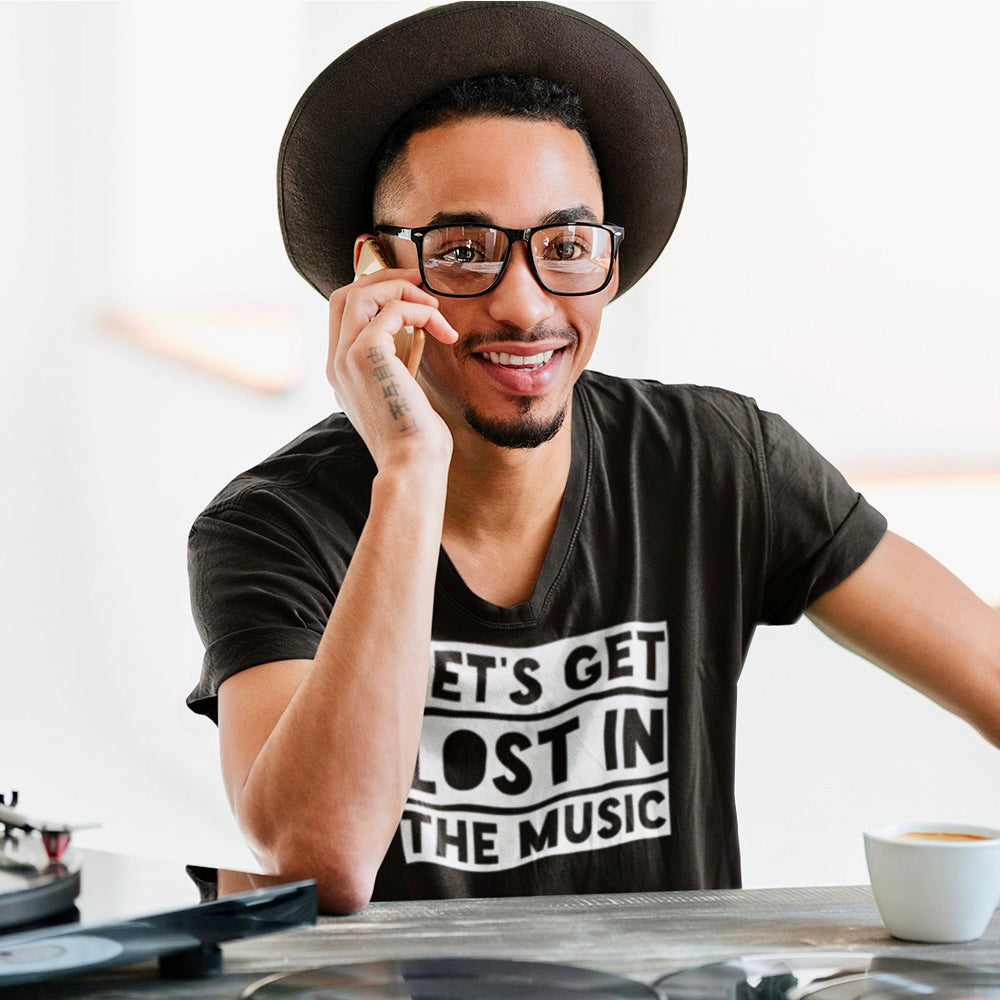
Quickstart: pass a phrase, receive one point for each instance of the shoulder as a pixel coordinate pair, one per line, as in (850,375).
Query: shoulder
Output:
(329,450)
(677,412)
(322,476)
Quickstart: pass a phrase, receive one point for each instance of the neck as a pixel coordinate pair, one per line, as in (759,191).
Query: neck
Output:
(501,513)
(492,488)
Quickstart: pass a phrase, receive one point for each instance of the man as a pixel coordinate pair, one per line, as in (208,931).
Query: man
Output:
(480,633)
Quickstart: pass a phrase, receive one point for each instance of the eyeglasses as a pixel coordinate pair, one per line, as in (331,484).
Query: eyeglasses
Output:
(462,259)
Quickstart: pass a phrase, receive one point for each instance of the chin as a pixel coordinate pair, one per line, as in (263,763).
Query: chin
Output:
(523,432)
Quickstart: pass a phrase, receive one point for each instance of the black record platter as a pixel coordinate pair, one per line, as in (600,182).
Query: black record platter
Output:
(34,887)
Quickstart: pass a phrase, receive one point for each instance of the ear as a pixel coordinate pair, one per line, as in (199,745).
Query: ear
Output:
(357,248)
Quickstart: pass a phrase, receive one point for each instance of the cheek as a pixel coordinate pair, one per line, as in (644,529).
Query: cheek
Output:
(588,323)
(437,367)
(458,312)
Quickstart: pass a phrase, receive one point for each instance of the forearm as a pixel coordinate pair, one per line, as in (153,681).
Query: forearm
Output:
(906,613)
(327,789)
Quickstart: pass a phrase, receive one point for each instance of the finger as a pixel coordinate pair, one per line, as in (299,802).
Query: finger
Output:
(373,292)
(396,302)
(382,286)
(399,313)
(366,288)
(362,303)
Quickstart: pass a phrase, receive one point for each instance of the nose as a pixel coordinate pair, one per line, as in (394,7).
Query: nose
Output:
(519,299)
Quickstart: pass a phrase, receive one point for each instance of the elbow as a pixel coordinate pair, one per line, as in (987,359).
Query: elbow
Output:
(344,882)
(343,885)
(344,871)
(339,899)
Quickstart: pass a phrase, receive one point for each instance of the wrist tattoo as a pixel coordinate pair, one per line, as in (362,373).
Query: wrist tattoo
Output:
(399,409)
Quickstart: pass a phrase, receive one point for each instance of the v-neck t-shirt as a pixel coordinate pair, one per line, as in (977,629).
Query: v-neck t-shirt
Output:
(583,740)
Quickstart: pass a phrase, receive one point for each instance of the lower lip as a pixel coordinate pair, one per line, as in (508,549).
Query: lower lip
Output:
(523,381)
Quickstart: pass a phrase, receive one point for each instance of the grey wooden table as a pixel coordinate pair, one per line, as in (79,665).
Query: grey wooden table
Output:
(640,936)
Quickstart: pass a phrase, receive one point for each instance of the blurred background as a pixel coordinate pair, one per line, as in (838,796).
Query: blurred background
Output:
(837,259)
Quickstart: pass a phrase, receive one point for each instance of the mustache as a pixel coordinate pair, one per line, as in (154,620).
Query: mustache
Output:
(474,340)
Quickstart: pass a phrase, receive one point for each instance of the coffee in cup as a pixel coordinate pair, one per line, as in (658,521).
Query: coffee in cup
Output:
(941,835)
(934,881)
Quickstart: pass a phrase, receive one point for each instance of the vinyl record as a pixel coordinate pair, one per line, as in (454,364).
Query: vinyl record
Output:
(26,961)
(448,979)
(830,976)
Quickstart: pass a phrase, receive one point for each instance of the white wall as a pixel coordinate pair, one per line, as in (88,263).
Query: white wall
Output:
(836,258)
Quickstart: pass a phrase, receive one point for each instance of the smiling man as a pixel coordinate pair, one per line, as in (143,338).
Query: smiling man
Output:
(480,633)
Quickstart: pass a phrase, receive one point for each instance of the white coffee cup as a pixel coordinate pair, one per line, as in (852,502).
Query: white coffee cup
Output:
(934,888)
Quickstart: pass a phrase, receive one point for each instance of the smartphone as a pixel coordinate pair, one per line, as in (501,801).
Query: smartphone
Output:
(409,340)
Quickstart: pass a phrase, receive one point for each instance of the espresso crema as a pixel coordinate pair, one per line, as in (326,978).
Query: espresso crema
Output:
(934,835)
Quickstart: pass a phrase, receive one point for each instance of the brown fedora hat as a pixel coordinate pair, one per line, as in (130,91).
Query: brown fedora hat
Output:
(338,125)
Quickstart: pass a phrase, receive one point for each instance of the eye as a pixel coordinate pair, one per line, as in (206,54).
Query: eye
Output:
(564,250)
(463,253)
(566,244)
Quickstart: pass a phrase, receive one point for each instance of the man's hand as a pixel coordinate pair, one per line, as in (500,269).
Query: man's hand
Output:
(382,400)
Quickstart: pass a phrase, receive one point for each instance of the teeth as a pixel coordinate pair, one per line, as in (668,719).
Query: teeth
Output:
(518,360)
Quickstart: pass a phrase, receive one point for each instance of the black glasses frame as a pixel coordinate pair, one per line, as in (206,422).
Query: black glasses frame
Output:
(513,236)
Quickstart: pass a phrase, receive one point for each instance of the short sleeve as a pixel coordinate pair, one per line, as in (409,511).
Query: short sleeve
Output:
(820,529)
(259,593)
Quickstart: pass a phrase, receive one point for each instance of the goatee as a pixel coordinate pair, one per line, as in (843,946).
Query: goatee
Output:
(515,433)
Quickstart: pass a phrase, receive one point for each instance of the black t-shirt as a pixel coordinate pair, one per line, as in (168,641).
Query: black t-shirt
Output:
(582,741)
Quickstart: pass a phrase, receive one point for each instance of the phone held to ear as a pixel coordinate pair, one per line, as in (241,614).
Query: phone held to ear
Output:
(409,340)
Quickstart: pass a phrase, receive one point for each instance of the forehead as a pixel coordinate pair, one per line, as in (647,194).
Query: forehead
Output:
(512,171)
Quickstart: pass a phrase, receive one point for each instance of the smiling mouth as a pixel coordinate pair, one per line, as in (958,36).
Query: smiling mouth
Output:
(521,362)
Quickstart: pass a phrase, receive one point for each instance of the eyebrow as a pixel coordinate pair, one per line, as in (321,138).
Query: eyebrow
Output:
(578,213)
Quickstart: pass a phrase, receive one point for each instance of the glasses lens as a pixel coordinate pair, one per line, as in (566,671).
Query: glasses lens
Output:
(462,260)
(572,259)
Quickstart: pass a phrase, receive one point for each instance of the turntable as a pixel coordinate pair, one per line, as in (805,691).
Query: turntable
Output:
(45,934)
(35,880)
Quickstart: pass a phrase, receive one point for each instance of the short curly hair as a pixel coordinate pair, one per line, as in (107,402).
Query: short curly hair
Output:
(502,95)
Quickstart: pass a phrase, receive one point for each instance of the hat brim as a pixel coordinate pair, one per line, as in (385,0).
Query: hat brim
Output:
(338,125)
